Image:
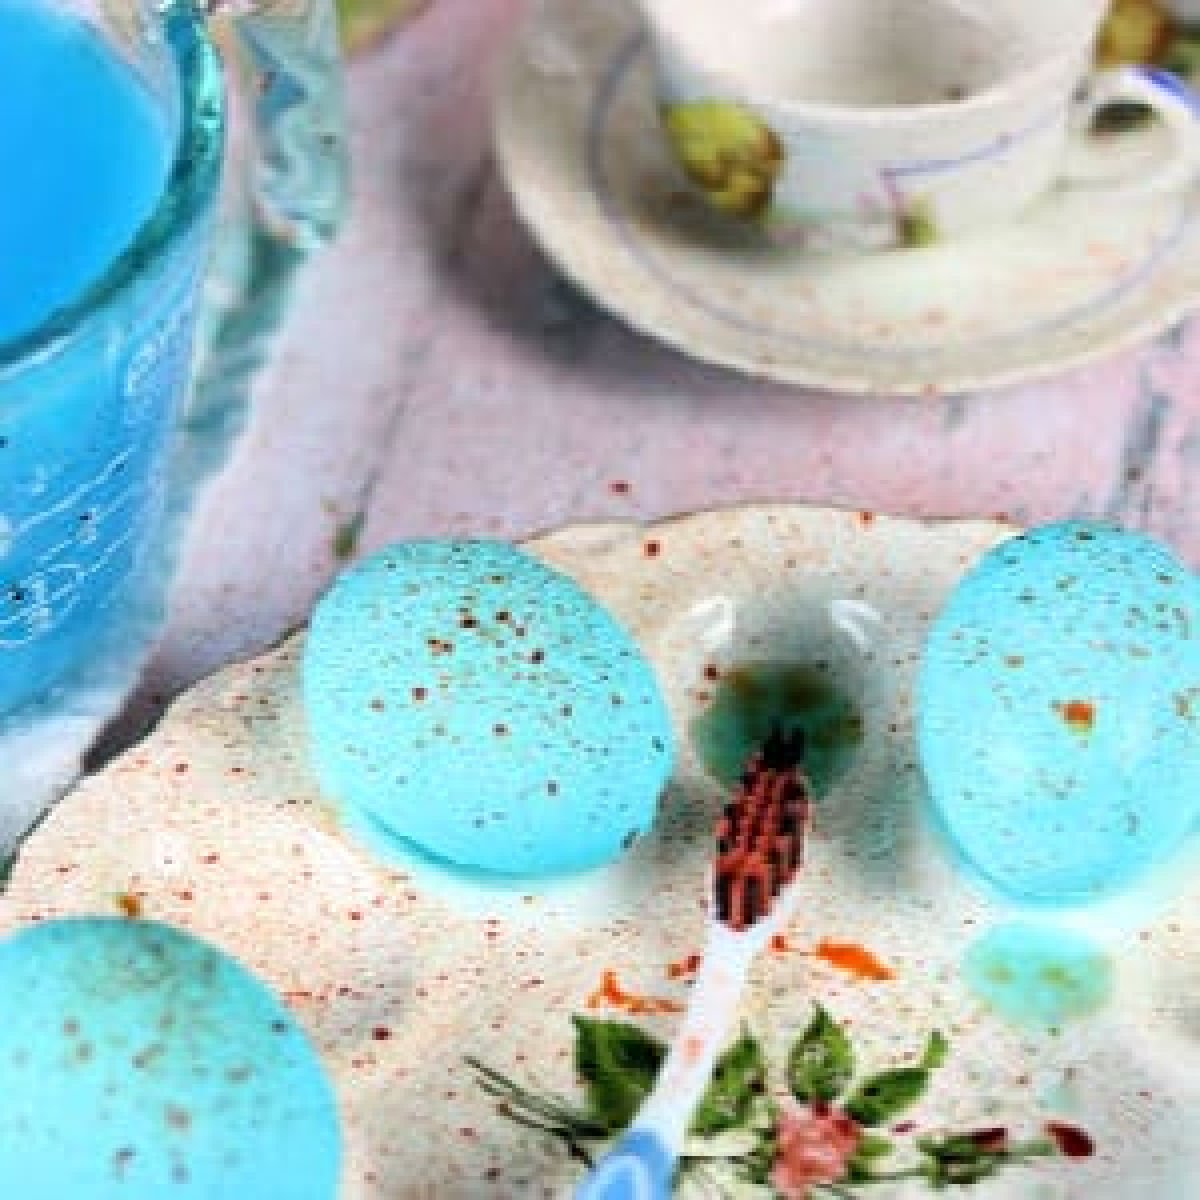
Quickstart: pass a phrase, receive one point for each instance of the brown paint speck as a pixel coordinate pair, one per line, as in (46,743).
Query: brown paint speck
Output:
(377,705)
(712,672)
(381,1033)
(652,548)
(419,694)
(177,1117)
(129,904)
(866,517)
(620,487)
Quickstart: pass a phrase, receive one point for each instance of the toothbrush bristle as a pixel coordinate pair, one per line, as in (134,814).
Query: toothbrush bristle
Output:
(760,835)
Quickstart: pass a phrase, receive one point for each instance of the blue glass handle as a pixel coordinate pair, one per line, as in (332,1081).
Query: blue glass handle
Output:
(639,1167)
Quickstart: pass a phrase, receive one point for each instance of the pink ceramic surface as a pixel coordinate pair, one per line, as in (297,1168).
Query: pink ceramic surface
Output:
(439,376)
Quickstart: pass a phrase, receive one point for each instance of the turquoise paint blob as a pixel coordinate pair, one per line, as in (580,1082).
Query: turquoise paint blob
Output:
(472,702)
(1038,976)
(137,1062)
(1059,713)
(84,157)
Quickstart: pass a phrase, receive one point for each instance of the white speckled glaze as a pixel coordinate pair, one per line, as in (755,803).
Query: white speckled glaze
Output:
(1084,271)
(217,824)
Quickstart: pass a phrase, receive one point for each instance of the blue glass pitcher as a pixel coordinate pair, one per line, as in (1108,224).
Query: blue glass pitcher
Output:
(99,393)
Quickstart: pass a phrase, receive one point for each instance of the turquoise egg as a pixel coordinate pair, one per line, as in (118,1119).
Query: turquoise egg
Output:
(473,702)
(137,1062)
(1059,712)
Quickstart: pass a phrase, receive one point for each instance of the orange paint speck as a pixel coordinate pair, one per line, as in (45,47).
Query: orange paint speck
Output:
(685,968)
(854,959)
(1080,715)
(780,944)
(130,905)
(611,994)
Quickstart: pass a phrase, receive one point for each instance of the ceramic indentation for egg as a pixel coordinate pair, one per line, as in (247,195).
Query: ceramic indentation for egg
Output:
(471,700)
(1060,711)
(137,1062)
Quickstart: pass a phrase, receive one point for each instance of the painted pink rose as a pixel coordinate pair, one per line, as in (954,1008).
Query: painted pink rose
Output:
(814,1145)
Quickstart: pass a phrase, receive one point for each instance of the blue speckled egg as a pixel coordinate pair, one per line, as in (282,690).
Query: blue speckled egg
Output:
(137,1062)
(1059,712)
(472,701)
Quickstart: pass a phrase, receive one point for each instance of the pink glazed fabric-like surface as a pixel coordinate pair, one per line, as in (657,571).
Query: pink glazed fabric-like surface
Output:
(439,377)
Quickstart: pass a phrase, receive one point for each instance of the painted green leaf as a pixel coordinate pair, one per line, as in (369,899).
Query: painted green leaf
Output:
(885,1096)
(618,1063)
(870,1149)
(821,1063)
(740,1075)
(937,1049)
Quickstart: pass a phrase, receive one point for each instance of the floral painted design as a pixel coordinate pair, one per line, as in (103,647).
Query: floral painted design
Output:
(815,1127)
(1143,31)
(1136,31)
(727,152)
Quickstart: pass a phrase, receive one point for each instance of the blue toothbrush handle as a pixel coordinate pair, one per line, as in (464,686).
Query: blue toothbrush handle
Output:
(638,1167)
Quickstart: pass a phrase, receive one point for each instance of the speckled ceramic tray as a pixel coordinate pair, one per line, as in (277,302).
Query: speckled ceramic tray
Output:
(400,973)
(577,138)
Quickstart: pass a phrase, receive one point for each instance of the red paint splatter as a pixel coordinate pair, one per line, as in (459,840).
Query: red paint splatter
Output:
(610,993)
(1072,1142)
(685,968)
(854,959)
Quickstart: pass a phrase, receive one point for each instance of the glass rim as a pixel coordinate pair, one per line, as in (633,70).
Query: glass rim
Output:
(193,178)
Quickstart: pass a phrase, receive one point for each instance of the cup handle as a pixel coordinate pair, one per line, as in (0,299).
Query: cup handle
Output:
(1177,106)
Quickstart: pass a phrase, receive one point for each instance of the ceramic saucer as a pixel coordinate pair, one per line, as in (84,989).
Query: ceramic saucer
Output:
(1083,274)
(399,972)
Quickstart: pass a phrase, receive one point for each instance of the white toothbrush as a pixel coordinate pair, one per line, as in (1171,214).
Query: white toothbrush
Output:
(753,890)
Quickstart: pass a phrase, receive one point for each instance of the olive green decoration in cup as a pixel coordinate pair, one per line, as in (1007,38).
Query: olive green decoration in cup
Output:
(728,152)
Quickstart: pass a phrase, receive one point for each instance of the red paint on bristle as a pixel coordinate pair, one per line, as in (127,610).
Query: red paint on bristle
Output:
(760,836)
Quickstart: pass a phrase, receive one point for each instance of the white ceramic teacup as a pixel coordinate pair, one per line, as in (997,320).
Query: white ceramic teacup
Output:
(876,123)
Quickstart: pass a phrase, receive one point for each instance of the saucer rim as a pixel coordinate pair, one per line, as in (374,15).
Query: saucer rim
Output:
(975,368)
